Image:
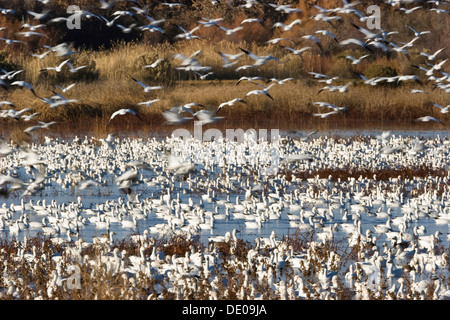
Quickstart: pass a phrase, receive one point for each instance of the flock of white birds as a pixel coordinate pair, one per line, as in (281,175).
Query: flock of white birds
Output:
(374,41)
(87,192)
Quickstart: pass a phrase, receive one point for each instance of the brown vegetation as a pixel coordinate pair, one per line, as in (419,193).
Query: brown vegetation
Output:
(105,85)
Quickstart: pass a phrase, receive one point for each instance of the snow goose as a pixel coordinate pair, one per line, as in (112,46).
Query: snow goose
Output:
(58,68)
(146,87)
(259,60)
(296,51)
(427,119)
(122,112)
(287,27)
(382,228)
(230,32)
(25,85)
(264,91)
(429,241)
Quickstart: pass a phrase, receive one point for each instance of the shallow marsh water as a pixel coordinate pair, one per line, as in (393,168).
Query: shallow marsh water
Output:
(93,197)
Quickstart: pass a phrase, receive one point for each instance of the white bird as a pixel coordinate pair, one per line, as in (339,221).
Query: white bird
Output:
(226,62)
(107,5)
(149,102)
(176,165)
(109,23)
(60,101)
(418,33)
(65,89)
(245,67)
(231,56)
(379,45)
(412,77)
(441,108)
(11,41)
(32,27)
(146,87)
(72,69)
(438,10)
(63,50)
(277,40)
(122,112)
(329,105)
(317,75)
(5,150)
(210,22)
(188,35)
(433,56)
(264,91)
(42,55)
(356,42)
(230,32)
(229,103)
(9,75)
(285,8)
(206,117)
(28,34)
(297,51)
(287,27)
(249,3)
(259,60)
(126,29)
(122,13)
(203,76)
(39,16)
(409,11)
(417,91)
(27,118)
(108,141)
(57,68)
(356,61)
(154,64)
(342,88)
(87,184)
(25,85)
(328,33)
(325,115)
(173,117)
(250,20)
(368,34)
(250,79)
(280,82)
(312,38)
(172,5)
(428,118)
(5,102)
(153,26)
(187,60)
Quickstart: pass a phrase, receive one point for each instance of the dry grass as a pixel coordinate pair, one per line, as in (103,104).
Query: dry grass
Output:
(106,85)
(293,102)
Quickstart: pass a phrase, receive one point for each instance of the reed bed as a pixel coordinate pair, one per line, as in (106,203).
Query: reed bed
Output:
(293,102)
